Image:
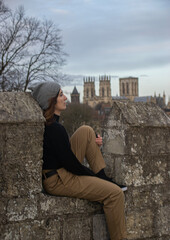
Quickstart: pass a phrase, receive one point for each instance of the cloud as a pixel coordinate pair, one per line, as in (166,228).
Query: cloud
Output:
(144,75)
(60,11)
(87,1)
(113,35)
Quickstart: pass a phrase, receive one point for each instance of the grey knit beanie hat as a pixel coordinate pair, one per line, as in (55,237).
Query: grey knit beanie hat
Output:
(43,91)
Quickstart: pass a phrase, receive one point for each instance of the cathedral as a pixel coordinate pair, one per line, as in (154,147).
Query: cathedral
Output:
(90,96)
(128,89)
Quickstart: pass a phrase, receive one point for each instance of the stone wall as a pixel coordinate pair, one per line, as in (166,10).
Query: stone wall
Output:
(136,149)
(137,152)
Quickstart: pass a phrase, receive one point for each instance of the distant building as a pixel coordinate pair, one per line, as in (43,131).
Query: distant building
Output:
(75,96)
(105,89)
(160,101)
(167,109)
(90,96)
(122,98)
(102,110)
(128,87)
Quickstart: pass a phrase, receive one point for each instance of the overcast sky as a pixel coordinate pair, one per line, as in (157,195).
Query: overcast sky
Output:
(114,37)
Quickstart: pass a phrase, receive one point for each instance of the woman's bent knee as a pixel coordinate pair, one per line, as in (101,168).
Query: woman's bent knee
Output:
(86,128)
(119,194)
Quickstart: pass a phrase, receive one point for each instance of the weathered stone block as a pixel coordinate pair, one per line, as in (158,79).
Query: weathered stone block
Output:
(158,140)
(110,164)
(140,224)
(143,197)
(9,232)
(138,114)
(76,228)
(100,231)
(165,237)
(21,140)
(22,177)
(3,204)
(2,134)
(19,107)
(19,209)
(140,171)
(30,231)
(136,141)
(48,229)
(162,220)
(53,205)
(147,140)
(114,141)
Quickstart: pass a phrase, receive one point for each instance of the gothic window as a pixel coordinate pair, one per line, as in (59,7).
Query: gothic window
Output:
(102,92)
(136,90)
(127,88)
(92,92)
(123,88)
(108,91)
(87,93)
(132,88)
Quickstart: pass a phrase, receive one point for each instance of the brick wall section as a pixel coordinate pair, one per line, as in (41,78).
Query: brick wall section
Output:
(136,149)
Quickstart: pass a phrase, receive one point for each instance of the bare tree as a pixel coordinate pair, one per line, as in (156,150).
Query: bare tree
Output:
(46,57)
(4,11)
(29,50)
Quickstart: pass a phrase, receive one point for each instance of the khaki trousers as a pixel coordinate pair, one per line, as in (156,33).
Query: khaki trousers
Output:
(91,188)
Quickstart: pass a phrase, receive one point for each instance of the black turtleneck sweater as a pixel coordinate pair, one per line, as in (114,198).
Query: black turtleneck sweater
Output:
(57,151)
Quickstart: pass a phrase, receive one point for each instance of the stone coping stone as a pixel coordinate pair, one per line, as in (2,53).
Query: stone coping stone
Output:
(56,205)
(41,206)
(19,107)
(139,114)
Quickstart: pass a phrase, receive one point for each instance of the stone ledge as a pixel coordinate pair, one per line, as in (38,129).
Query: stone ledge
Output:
(40,206)
(137,114)
(54,205)
(19,107)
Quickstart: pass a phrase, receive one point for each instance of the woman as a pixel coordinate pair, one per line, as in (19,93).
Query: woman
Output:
(63,172)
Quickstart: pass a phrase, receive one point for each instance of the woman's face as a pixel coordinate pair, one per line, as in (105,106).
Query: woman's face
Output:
(61,103)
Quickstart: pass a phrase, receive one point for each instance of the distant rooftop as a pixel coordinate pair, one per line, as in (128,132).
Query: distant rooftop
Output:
(75,91)
(142,99)
(119,98)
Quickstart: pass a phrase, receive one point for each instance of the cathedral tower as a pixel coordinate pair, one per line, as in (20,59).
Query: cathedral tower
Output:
(89,91)
(129,87)
(105,88)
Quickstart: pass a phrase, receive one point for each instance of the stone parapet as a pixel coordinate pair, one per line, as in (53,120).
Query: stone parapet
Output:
(26,212)
(136,150)
(137,153)
(43,216)
(21,137)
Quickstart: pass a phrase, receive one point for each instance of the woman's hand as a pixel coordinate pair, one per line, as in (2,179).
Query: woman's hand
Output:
(99,140)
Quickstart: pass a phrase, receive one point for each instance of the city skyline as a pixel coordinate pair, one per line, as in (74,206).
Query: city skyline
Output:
(117,38)
(115,91)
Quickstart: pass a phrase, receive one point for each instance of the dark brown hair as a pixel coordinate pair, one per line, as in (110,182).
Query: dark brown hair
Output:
(49,112)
